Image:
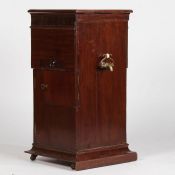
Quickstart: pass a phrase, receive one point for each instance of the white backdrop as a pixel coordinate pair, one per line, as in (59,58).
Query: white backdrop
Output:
(151,72)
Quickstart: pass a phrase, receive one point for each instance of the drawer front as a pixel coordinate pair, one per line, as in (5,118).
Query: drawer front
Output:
(53,48)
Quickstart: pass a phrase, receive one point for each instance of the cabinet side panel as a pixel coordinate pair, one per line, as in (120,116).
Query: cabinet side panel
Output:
(101,119)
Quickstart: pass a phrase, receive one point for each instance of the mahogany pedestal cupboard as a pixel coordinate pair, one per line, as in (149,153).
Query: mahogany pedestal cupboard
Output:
(79,61)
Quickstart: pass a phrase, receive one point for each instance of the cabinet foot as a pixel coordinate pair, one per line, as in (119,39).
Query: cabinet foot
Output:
(72,165)
(33,157)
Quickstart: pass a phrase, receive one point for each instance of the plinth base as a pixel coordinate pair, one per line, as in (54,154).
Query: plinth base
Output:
(90,158)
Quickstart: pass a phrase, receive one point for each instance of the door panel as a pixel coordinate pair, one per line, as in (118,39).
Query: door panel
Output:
(54,109)
(60,87)
(102,115)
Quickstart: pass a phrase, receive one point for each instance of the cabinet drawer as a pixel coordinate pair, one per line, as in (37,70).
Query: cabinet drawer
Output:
(53,48)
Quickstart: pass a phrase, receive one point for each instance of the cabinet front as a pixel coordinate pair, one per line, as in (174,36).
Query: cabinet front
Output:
(102,60)
(54,95)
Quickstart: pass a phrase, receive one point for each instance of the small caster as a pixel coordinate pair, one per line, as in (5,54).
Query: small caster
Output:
(33,157)
(72,165)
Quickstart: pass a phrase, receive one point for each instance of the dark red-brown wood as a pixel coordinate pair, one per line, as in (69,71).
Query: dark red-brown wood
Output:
(53,44)
(80,109)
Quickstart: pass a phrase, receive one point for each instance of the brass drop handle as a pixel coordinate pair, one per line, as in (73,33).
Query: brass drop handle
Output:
(107,62)
(44,86)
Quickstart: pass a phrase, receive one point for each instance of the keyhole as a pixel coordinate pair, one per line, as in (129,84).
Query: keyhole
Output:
(44,86)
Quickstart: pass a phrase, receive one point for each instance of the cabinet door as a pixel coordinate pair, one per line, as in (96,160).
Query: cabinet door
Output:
(54,109)
(102,115)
